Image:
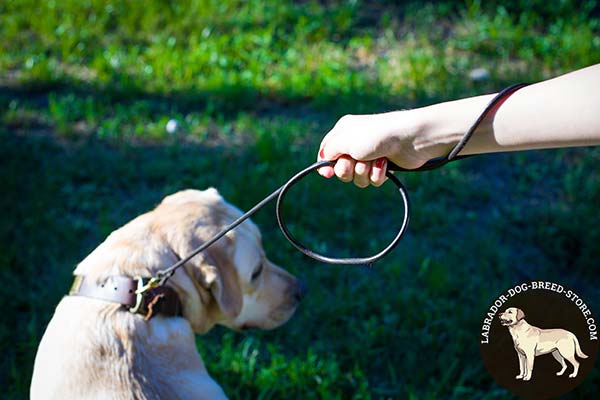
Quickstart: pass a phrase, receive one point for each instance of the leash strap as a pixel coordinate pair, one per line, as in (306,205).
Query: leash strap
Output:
(163,275)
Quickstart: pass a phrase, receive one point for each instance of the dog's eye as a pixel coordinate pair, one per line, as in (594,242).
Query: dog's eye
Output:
(257,272)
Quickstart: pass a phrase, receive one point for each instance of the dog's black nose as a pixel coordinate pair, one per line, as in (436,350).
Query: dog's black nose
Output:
(301,290)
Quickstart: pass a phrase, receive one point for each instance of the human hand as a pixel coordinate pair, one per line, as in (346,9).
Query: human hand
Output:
(363,144)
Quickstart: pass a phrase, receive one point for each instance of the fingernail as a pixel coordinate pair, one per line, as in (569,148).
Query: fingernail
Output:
(322,154)
(380,163)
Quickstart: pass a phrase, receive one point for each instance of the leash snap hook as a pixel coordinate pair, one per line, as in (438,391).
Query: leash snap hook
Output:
(142,289)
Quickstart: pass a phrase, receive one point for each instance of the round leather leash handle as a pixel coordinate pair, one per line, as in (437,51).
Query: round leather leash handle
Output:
(429,165)
(331,260)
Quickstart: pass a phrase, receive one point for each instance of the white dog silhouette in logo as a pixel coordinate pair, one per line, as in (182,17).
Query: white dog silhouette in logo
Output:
(531,341)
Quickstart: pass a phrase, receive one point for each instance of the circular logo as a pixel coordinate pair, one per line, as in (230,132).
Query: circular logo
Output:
(539,340)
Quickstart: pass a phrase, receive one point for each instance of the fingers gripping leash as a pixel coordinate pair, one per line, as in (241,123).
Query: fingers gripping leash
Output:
(163,275)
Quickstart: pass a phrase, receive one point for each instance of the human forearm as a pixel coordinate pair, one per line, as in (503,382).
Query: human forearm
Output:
(560,112)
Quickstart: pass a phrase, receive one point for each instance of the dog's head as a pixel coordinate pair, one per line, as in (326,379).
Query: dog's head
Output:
(511,316)
(231,283)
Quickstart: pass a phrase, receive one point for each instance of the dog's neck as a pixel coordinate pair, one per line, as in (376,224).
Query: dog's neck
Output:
(520,326)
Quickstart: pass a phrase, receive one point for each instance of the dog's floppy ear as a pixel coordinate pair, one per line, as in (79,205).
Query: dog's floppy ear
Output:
(520,314)
(208,275)
(223,282)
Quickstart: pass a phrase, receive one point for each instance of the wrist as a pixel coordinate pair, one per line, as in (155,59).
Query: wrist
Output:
(435,131)
(403,137)
(443,125)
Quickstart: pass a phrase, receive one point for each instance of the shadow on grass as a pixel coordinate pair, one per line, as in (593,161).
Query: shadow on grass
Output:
(371,96)
(225,101)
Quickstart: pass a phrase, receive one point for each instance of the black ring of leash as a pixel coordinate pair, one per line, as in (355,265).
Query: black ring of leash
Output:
(163,275)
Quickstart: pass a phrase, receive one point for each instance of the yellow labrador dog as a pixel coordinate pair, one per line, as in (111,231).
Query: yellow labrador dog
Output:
(98,349)
(531,341)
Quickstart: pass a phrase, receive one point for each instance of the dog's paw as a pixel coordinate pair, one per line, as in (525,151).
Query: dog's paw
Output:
(527,377)
(519,377)
(573,375)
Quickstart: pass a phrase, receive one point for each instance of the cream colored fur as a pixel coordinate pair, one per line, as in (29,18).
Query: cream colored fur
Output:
(94,349)
(531,341)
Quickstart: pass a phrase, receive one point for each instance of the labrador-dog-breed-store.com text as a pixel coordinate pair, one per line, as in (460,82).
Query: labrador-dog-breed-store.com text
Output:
(94,348)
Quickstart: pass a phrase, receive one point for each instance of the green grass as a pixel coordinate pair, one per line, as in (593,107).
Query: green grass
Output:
(86,89)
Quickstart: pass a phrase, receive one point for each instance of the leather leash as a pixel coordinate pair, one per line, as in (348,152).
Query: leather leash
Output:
(139,295)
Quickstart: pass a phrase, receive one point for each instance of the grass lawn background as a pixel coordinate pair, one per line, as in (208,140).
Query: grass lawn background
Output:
(86,89)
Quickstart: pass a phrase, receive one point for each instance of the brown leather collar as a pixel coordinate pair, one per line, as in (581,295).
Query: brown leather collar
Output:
(126,291)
